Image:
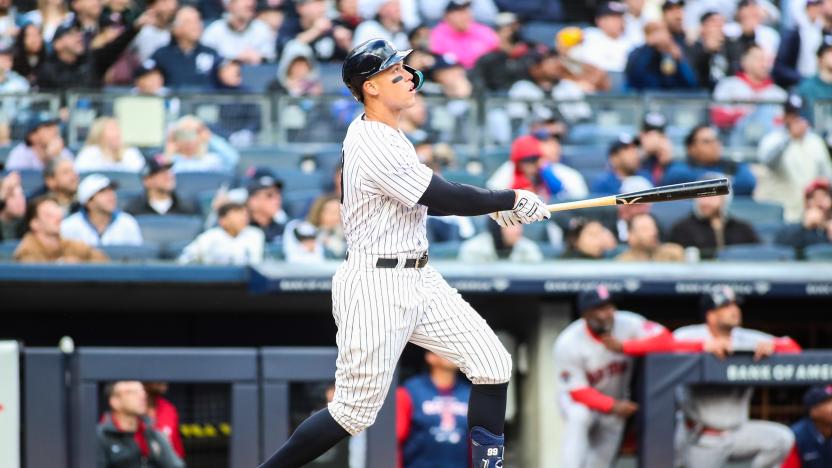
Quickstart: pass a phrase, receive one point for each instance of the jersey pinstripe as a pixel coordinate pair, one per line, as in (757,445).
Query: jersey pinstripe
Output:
(382,182)
(379,310)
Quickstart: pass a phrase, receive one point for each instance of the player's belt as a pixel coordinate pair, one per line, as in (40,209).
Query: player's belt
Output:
(408,263)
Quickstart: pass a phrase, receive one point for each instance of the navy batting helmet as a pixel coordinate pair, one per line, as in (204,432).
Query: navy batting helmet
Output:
(369,59)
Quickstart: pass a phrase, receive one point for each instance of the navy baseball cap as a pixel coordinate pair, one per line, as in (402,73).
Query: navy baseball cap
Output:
(594,298)
(623,141)
(718,297)
(155,164)
(817,395)
(263,178)
(611,8)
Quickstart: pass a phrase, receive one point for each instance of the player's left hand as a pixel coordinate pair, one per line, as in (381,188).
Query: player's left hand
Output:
(764,349)
(529,208)
(613,344)
(505,218)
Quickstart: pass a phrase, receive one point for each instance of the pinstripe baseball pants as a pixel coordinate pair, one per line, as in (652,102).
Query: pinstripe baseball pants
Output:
(378,310)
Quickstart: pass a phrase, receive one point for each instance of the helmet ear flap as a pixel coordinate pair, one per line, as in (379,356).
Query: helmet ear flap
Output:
(418,77)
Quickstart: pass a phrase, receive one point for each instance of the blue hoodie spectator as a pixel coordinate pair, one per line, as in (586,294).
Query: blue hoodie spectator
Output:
(705,156)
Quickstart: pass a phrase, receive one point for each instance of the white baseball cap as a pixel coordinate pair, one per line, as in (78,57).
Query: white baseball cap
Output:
(91,185)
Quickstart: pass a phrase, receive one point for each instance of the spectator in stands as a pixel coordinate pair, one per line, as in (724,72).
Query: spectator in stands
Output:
(42,142)
(709,228)
(60,181)
(240,36)
(819,86)
(387,24)
(297,73)
(325,215)
(233,242)
(188,148)
(301,243)
(748,31)
(431,416)
(590,78)
(624,161)
(10,81)
(163,415)
(705,156)
(73,62)
(149,80)
(159,197)
(100,222)
(793,156)
(49,15)
(815,227)
(461,37)
(265,204)
(125,435)
(43,241)
(660,63)
(12,207)
(644,243)
(185,62)
(157,33)
(588,239)
(500,68)
(500,243)
(718,415)
(753,83)
(813,432)
(104,150)
(606,46)
(656,147)
(709,54)
(30,53)
(329,40)
(673,16)
(797,56)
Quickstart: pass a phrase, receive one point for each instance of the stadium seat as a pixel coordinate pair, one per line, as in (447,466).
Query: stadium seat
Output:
(132,253)
(818,253)
(444,250)
(189,184)
(755,212)
(129,181)
(165,230)
(7,249)
(756,253)
(257,78)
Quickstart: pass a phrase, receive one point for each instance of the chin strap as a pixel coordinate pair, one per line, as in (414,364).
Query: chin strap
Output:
(486,449)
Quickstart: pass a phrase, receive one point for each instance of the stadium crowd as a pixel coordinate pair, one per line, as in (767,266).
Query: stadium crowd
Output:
(123,202)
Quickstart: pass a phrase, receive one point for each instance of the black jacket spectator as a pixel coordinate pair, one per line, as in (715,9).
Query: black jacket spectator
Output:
(73,64)
(696,232)
(139,205)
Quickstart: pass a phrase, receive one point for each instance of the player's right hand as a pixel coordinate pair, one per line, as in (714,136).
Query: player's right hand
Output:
(624,408)
(529,208)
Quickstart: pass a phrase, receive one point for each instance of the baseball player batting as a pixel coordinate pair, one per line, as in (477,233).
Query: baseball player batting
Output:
(385,294)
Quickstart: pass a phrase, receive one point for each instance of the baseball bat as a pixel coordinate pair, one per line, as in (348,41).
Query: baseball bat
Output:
(705,188)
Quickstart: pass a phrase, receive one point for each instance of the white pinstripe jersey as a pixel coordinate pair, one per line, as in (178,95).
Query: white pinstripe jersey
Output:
(382,182)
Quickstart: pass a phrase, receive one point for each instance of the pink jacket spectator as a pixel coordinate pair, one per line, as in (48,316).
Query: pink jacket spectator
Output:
(466,46)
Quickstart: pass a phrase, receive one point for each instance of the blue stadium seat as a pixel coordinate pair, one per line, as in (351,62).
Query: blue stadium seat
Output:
(129,181)
(258,77)
(753,211)
(164,230)
(189,184)
(444,250)
(132,253)
(7,249)
(756,253)
(818,253)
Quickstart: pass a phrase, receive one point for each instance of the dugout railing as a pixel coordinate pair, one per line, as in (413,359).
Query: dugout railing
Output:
(62,392)
(662,374)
